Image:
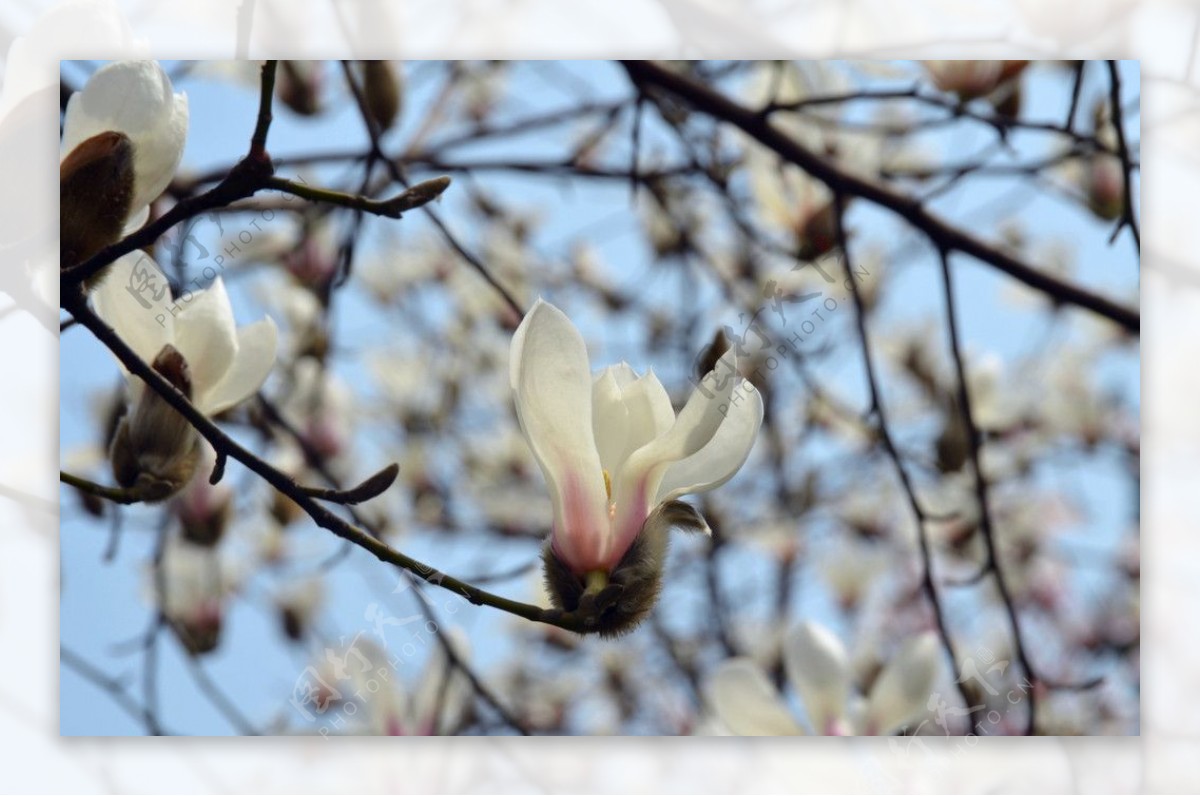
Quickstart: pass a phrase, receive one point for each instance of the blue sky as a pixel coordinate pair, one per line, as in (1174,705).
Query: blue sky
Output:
(103,604)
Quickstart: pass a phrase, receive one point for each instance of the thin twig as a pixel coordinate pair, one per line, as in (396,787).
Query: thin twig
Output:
(885,437)
(258,141)
(1128,218)
(322,516)
(846,183)
(974,444)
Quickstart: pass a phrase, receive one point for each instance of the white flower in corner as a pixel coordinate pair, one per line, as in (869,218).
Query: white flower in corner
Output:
(135,99)
(616,458)
(745,700)
(195,344)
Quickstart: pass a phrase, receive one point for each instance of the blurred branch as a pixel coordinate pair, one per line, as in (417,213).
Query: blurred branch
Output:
(1128,218)
(840,181)
(974,445)
(116,494)
(258,141)
(885,437)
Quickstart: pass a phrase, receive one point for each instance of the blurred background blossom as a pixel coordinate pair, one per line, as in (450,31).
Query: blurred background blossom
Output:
(1158,32)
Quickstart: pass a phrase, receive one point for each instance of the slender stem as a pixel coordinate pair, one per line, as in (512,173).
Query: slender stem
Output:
(116,494)
(842,181)
(974,445)
(1128,219)
(266,96)
(412,198)
(885,437)
(323,517)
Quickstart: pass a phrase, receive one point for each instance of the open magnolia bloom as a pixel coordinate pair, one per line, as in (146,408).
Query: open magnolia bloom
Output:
(747,703)
(193,342)
(616,458)
(971,79)
(123,137)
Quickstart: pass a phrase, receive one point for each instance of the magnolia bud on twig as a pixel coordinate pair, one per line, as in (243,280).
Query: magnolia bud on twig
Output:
(156,450)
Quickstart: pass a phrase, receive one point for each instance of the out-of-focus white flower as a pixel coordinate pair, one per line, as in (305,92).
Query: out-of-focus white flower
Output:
(298,602)
(971,79)
(320,406)
(744,699)
(204,508)
(136,100)
(193,590)
(436,706)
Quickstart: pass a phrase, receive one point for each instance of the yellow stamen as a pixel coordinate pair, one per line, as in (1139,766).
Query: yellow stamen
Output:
(608,484)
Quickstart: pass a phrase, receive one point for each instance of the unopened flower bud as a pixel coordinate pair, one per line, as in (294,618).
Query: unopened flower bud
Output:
(95,193)
(1105,186)
(200,632)
(818,234)
(298,605)
(155,450)
(381,85)
(204,510)
(299,86)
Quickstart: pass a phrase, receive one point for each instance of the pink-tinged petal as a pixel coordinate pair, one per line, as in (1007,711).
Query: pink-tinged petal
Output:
(134,299)
(819,671)
(256,347)
(725,453)
(746,702)
(206,335)
(903,689)
(552,388)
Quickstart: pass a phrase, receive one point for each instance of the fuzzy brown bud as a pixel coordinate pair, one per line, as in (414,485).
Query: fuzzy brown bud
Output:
(95,193)
(383,92)
(615,603)
(155,450)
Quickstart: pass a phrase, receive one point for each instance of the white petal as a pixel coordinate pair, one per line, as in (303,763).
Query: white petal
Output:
(552,387)
(905,686)
(635,486)
(133,298)
(628,412)
(206,335)
(257,344)
(725,453)
(817,668)
(650,412)
(134,98)
(610,424)
(744,699)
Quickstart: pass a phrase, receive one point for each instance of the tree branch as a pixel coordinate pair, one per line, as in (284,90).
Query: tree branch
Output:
(645,73)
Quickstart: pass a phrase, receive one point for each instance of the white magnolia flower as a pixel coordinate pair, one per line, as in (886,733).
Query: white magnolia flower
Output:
(744,699)
(194,344)
(367,677)
(194,588)
(970,79)
(613,451)
(135,99)
(227,364)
